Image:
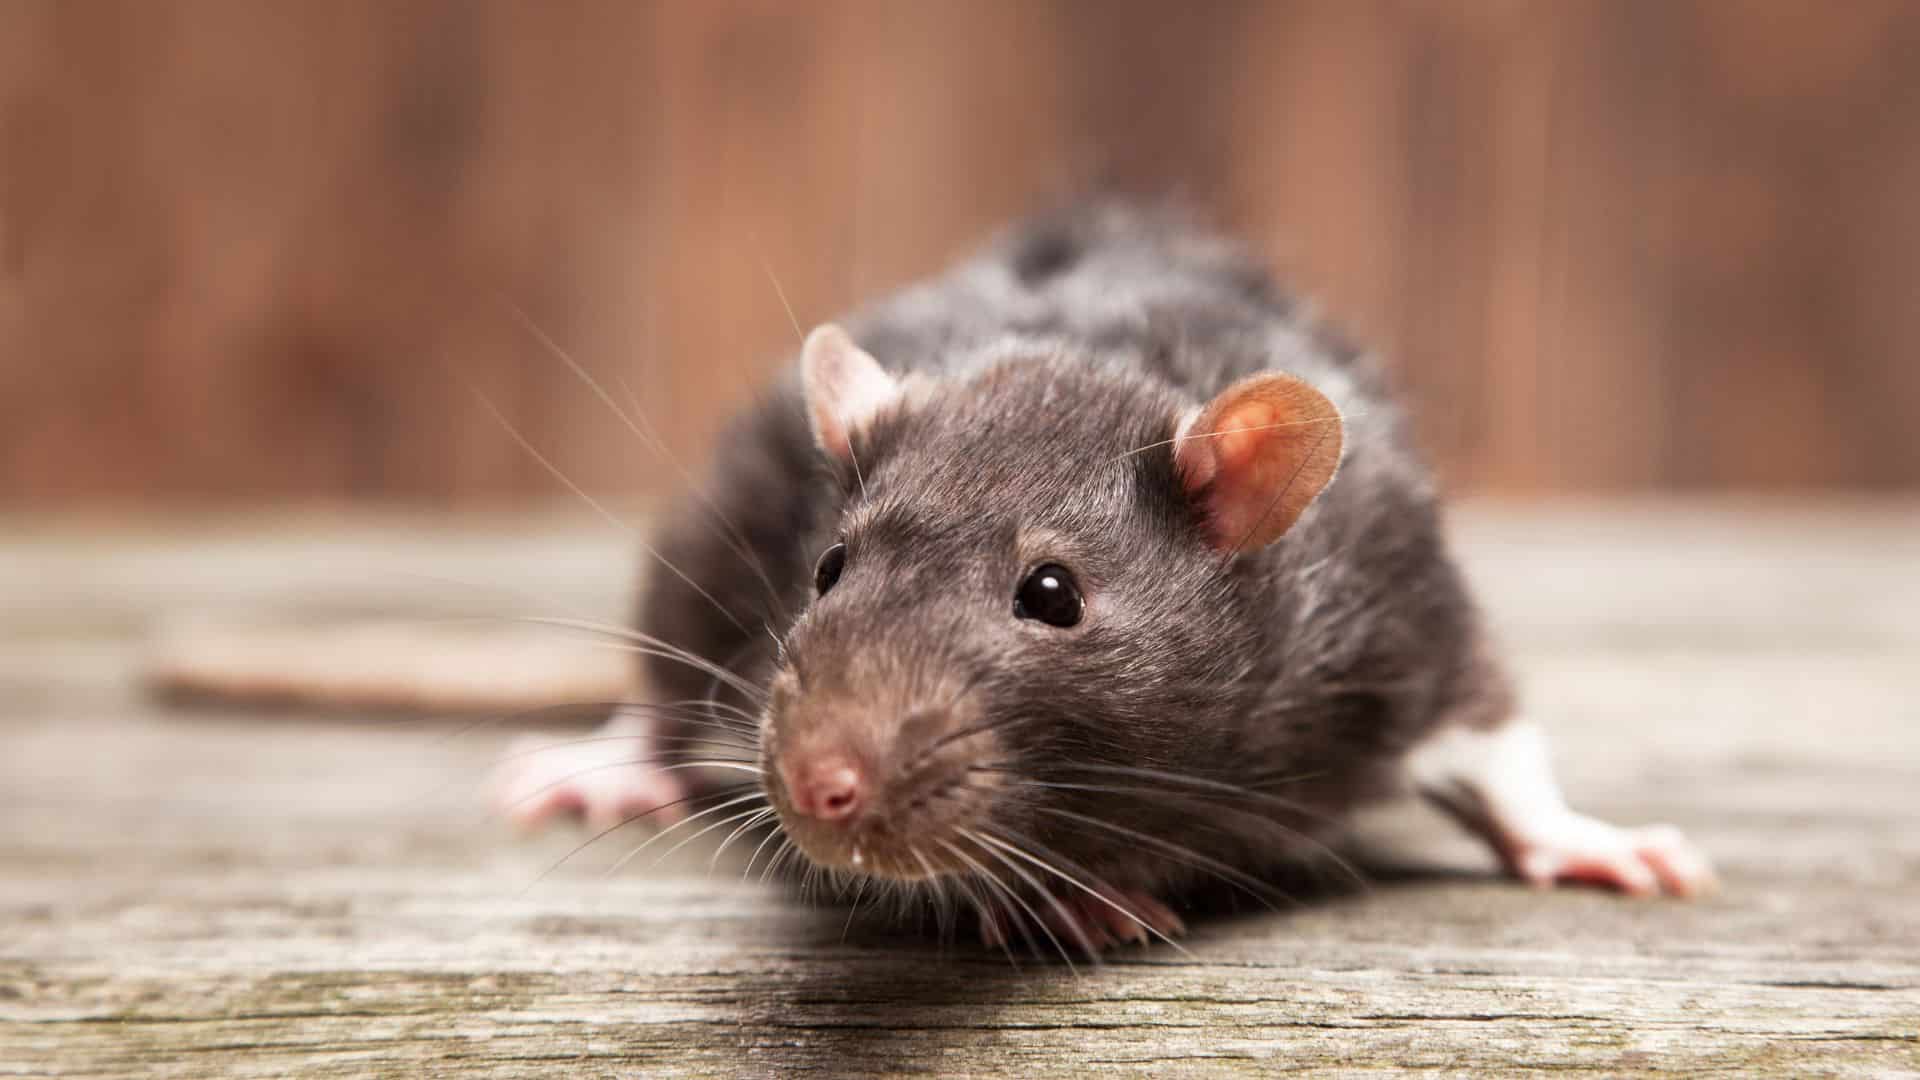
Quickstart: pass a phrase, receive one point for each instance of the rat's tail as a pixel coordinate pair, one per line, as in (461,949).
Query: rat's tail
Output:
(385,666)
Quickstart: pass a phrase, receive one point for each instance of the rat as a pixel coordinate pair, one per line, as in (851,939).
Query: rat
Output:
(1062,582)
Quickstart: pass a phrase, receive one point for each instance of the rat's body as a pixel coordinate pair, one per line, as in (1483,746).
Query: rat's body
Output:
(1089,410)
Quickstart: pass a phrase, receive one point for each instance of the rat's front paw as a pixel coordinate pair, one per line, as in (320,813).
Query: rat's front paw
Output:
(1640,862)
(1086,923)
(605,780)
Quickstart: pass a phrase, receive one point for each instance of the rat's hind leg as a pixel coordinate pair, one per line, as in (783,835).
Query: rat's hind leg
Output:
(1498,782)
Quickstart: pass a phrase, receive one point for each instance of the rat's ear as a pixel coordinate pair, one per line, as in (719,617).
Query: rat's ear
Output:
(844,387)
(1253,458)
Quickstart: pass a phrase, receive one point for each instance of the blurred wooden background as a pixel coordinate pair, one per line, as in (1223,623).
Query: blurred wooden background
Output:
(261,250)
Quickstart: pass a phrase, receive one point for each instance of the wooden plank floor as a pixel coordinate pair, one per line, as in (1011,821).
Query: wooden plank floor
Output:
(191,892)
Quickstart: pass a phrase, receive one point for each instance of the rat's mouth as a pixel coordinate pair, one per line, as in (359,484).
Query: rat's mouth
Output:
(905,849)
(878,854)
(905,837)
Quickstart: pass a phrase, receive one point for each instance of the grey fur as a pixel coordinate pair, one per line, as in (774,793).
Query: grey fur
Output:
(1300,673)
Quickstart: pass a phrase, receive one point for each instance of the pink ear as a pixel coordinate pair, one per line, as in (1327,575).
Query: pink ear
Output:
(1256,456)
(844,386)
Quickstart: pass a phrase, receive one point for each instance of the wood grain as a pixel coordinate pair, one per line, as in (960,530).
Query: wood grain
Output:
(258,251)
(194,893)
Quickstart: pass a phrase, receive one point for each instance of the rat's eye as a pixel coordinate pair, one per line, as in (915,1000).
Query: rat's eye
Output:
(1049,595)
(827,570)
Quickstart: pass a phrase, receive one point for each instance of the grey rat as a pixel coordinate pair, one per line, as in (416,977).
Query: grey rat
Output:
(1077,575)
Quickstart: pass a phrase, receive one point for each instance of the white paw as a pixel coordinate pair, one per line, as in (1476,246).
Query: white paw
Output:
(605,780)
(1640,862)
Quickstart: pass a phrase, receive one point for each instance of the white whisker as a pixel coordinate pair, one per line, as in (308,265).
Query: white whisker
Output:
(676,826)
(1068,922)
(651,438)
(589,841)
(1076,883)
(1235,431)
(762,815)
(625,526)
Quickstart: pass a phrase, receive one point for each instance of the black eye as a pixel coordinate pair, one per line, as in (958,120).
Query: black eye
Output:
(1049,595)
(827,570)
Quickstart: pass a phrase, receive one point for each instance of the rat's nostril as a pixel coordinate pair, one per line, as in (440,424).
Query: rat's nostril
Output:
(839,800)
(836,792)
(830,790)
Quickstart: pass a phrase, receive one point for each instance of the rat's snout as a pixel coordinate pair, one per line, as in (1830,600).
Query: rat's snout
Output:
(830,787)
(875,781)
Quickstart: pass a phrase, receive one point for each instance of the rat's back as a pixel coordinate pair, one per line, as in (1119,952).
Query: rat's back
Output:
(1122,282)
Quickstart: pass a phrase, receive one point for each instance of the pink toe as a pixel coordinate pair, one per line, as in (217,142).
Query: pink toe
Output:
(1683,871)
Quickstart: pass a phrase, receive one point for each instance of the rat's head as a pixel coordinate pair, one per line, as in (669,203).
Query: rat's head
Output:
(1035,568)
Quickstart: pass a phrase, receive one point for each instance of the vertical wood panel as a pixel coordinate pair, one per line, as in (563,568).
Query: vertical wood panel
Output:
(260,251)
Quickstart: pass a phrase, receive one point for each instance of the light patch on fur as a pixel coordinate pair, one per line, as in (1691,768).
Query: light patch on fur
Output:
(1505,770)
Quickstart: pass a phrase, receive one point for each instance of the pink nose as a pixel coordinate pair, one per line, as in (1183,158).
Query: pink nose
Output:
(826,788)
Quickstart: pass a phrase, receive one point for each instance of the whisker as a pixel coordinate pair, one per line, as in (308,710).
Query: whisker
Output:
(985,906)
(538,712)
(749,722)
(646,737)
(857,474)
(1230,791)
(1207,784)
(1071,925)
(853,909)
(618,522)
(730,531)
(438,790)
(809,882)
(935,887)
(987,878)
(746,738)
(1282,493)
(764,813)
(652,440)
(720,763)
(589,841)
(1235,431)
(654,647)
(952,737)
(755,857)
(684,841)
(772,279)
(1180,853)
(715,710)
(801,336)
(1088,889)
(676,826)
(1288,832)
(787,848)
(733,659)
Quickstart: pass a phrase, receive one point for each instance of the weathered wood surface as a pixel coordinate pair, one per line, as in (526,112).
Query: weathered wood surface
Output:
(194,893)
